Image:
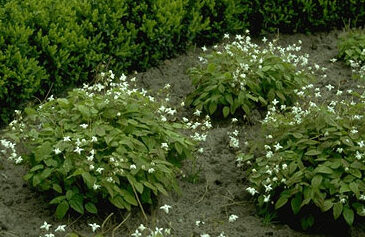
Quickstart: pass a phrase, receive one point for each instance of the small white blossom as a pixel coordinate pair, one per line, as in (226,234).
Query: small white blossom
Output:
(329,87)
(165,146)
(266,198)
(151,170)
(61,228)
(96,186)
(84,125)
(94,226)
(252,191)
(94,139)
(57,151)
(45,226)
(197,112)
(133,167)
(99,170)
(78,150)
(66,139)
(165,208)
(277,147)
(232,218)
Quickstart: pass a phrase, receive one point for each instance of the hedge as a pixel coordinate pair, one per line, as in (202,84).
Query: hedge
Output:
(49,45)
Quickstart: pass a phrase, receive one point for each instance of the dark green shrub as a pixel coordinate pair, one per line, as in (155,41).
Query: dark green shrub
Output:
(105,142)
(310,158)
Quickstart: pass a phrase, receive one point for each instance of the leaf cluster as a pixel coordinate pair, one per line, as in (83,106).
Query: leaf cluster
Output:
(100,144)
(242,77)
(314,157)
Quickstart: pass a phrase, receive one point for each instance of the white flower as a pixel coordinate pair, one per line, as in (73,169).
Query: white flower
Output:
(136,234)
(118,114)
(274,102)
(339,92)
(358,155)
(141,227)
(165,208)
(164,146)
(90,158)
(49,235)
(284,166)
(96,186)
(252,191)
(61,228)
(221,235)
(78,150)
(361,144)
(66,139)
(226,36)
(201,150)
(264,40)
(45,226)
(18,160)
(84,125)
(329,87)
(204,235)
(91,167)
(333,60)
(133,167)
(268,188)
(197,112)
(339,150)
(167,86)
(269,154)
(277,147)
(151,170)
(99,170)
(234,120)
(94,139)
(232,218)
(57,151)
(94,226)
(204,48)
(354,131)
(266,198)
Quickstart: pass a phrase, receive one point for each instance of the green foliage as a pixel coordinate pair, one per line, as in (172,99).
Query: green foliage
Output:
(352,46)
(243,76)
(314,160)
(100,143)
(303,15)
(351,49)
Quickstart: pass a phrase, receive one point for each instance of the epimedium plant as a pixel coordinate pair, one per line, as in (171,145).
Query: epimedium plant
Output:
(102,142)
(351,49)
(311,156)
(243,76)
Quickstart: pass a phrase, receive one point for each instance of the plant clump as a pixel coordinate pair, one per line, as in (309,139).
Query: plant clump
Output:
(311,158)
(106,142)
(351,49)
(243,76)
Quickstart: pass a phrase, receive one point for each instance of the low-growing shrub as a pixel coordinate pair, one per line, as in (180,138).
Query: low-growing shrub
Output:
(351,49)
(310,158)
(242,76)
(103,142)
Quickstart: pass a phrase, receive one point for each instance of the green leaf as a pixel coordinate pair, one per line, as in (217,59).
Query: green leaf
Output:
(76,203)
(313,153)
(88,179)
(323,169)
(37,167)
(129,198)
(90,207)
(337,210)
(229,99)
(69,194)
(178,148)
(100,131)
(327,204)
(43,151)
(316,181)
(117,201)
(354,188)
(57,200)
(62,209)
(57,188)
(296,203)
(212,107)
(225,111)
(348,214)
(281,201)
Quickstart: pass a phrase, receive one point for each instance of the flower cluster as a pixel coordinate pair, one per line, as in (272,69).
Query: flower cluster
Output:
(110,138)
(243,76)
(313,146)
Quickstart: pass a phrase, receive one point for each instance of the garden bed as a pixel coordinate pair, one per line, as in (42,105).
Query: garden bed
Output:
(205,205)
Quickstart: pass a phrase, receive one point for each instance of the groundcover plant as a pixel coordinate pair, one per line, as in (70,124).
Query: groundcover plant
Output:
(311,157)
(105,142)
(243,76)
(351,49)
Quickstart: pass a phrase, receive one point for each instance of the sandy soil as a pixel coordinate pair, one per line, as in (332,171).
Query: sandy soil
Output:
(219,190)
